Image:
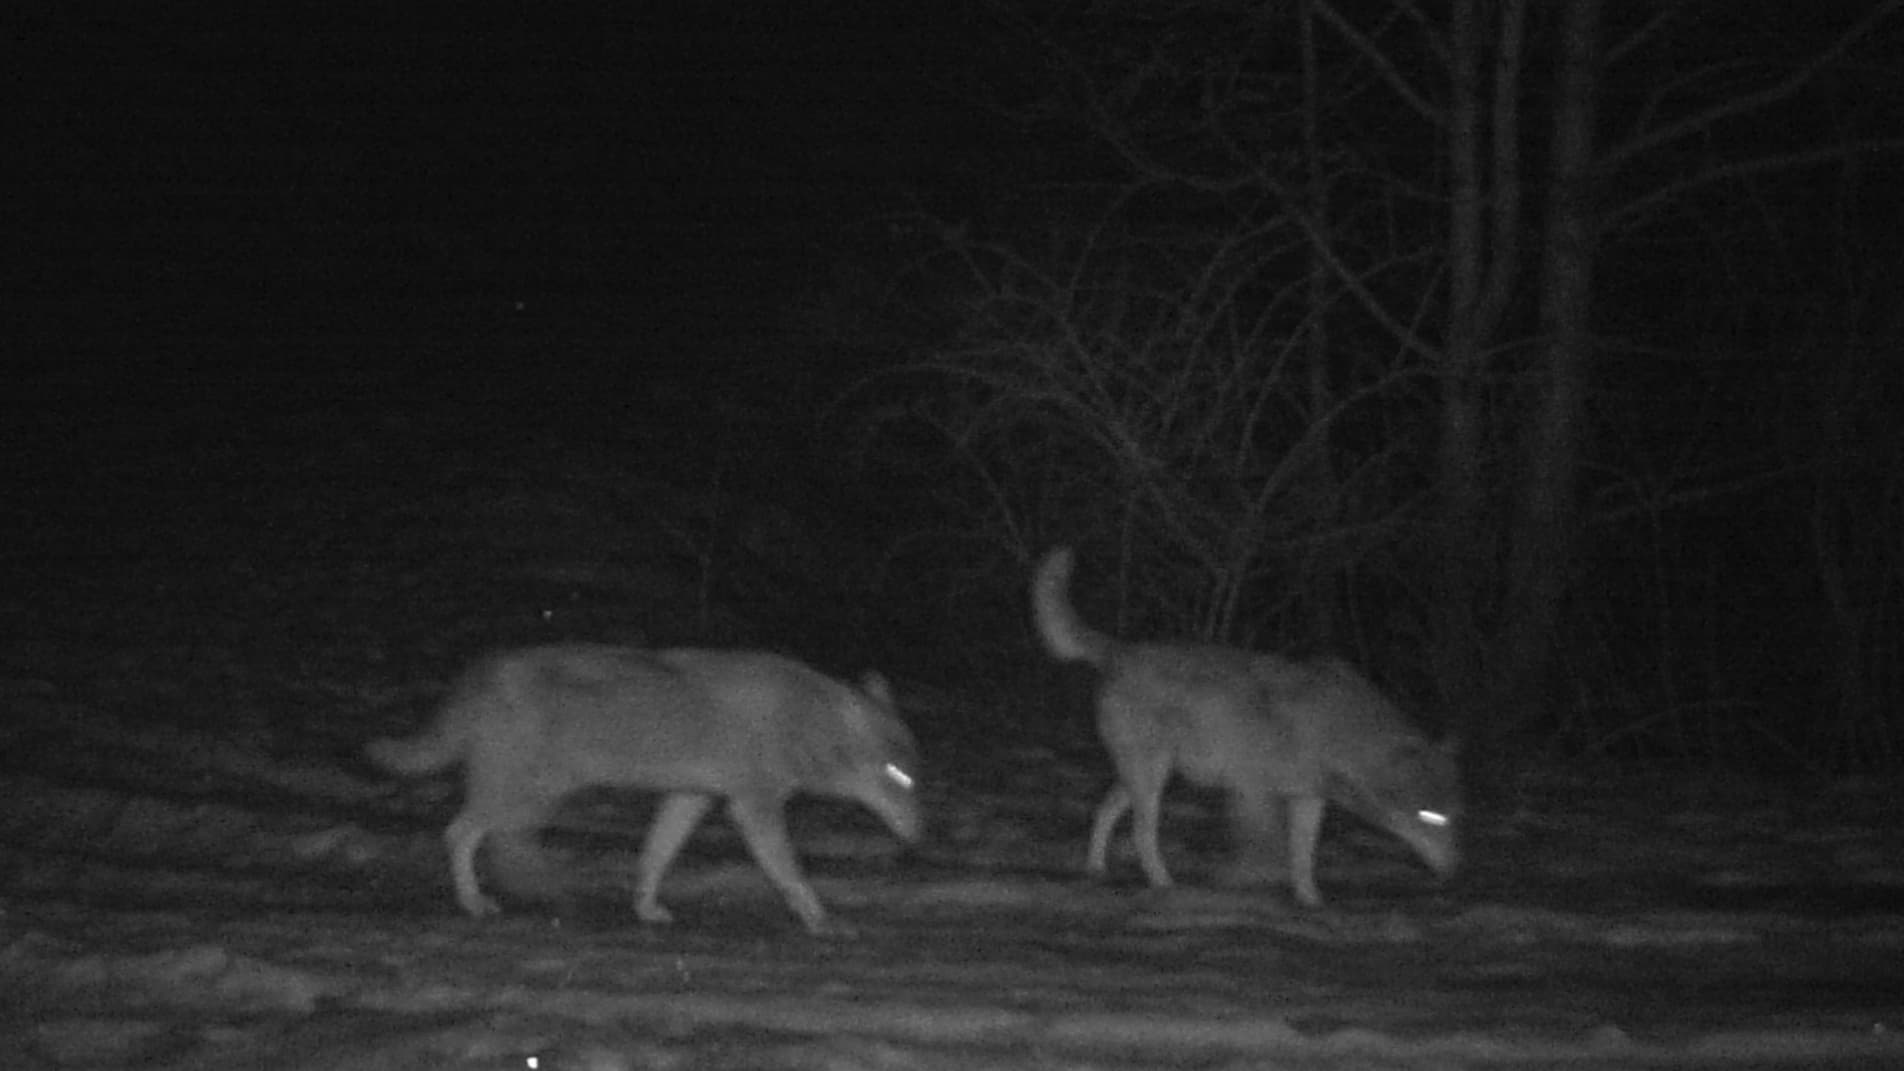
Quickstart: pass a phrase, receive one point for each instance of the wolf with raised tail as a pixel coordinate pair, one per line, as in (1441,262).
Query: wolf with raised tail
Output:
(531,726)
(1284,738)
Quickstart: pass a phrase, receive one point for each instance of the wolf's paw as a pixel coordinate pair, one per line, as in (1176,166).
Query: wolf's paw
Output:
(828,928)
(653,913)
(480,907)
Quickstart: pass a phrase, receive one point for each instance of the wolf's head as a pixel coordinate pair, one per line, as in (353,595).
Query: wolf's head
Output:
(1415,793)
(864,752)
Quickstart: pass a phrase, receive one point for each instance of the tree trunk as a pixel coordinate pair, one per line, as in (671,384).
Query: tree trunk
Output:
(1320,598)
(1548,511)
(1463,548)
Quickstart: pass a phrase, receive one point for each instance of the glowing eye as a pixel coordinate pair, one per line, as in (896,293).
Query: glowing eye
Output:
(1432,818)
(898,776)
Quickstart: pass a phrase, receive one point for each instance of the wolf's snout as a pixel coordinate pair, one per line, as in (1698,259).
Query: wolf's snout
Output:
(896,804)
(1444,858)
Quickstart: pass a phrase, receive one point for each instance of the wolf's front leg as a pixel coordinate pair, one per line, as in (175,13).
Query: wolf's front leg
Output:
(763,826)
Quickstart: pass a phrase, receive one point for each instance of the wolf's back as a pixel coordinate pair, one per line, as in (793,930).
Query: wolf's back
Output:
(1067,637)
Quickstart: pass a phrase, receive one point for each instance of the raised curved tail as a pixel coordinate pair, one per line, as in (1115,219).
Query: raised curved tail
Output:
(1065,636)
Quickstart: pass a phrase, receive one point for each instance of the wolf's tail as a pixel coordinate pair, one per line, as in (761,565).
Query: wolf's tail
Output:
(1065,636)
(429,751)
(447,740)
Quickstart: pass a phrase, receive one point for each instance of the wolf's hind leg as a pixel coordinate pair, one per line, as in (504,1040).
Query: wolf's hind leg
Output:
(1117,803)
(464,834)
(675,818)
(1146,787)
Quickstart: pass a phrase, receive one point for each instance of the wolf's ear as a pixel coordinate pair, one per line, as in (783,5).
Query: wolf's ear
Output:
(874,683)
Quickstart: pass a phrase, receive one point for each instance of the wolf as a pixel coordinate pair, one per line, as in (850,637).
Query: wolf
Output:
(531,726)
(1276,733)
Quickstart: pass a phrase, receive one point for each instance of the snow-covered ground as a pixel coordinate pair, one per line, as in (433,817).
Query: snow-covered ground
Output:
(191,899)
(198,870)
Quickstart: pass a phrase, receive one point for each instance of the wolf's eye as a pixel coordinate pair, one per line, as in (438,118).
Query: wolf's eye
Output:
(1432,818)
(898,776)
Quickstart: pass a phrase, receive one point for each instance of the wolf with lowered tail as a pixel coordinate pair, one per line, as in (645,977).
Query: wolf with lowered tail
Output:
(1277,734)
(531,726)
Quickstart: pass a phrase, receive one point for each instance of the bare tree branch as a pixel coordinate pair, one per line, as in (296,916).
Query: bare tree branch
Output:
(1384,63)
(1504,184)
(1697,122)
(1631,212)
(1636,40)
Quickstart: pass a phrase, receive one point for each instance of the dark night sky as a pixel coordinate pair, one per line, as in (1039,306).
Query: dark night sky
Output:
(198,210)
(645,120)
(204,206)
(228,239)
